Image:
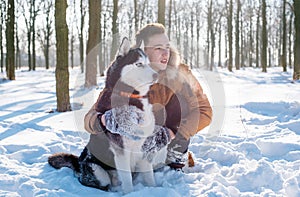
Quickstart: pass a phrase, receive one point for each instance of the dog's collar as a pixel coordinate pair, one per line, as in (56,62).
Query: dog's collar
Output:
(131,95)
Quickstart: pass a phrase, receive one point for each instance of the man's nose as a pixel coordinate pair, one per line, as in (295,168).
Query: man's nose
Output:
(165,52)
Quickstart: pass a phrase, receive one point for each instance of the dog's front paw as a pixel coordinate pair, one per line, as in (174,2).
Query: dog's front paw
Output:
(101,175)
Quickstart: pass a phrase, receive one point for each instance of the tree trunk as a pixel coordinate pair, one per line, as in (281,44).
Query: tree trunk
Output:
(105,48)
(81,46)
(48,33)
(72,41)
(2,7)
(143,10)
(208,34)
(185,41)
(72,34)
(115,31)
(270,56)
(34,14)
(198,41)
(177,25)
(290,40)
(92,50)
(101,41)
(29,49)
(61,71)
(191,59)
(278,44)
(283,60)
(136,16)
(296,74)
(220,42)
(257,41)
(17,55)
(226,50)
(212,36)
(10,33)
(230,36)
(237,36)
(264,38)
(250,43)
(161,11)
(170,18)
(242,48)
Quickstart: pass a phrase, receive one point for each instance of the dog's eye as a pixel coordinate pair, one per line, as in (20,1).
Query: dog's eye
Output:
(139,64)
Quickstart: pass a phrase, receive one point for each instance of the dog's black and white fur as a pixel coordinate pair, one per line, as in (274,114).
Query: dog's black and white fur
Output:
(136,140)
(134,116)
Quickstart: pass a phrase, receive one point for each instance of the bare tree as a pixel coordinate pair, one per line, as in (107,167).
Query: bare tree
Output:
(219,30)
(136,15)
(80,34)
(237,36)
(161,12)
(296,74)
(198,29)
(211,34)
(10,40)
(229,22)
(257,48)
(283,56)
(2,16)
(17,47)
(143,8)
(92,50)
(61,71)
(264,36)
(17,39)
(105,50)
(28,28)
(73,21)
(250,40)
(114,29)
(45,33)
(177,23)
(170,18)
(35,9)
(290,38)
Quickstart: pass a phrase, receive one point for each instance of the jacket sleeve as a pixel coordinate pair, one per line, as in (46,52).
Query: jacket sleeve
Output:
(91,121)
(196,111)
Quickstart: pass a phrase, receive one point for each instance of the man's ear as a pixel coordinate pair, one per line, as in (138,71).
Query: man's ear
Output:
(124,47)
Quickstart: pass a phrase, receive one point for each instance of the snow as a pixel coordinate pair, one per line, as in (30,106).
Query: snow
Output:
(251,149)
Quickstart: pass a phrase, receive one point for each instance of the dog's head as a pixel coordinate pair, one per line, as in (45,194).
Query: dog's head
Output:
(131,67)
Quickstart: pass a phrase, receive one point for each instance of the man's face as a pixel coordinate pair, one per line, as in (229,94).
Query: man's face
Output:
(158,51)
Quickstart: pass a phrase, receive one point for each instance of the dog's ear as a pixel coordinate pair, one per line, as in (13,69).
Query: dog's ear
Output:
(142,45)
(124,47)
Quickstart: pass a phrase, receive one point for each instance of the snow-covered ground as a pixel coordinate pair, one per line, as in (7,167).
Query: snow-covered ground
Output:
(251,149)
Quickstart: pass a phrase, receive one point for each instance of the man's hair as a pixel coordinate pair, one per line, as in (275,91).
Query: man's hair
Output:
(147,31)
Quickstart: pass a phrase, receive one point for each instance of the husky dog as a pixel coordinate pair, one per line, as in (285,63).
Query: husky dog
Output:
(134,142)
(132,111)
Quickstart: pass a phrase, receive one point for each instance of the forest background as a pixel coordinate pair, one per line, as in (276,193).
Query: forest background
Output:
(208,34)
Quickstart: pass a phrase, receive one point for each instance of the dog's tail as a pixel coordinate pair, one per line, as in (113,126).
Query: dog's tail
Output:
(59,160)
